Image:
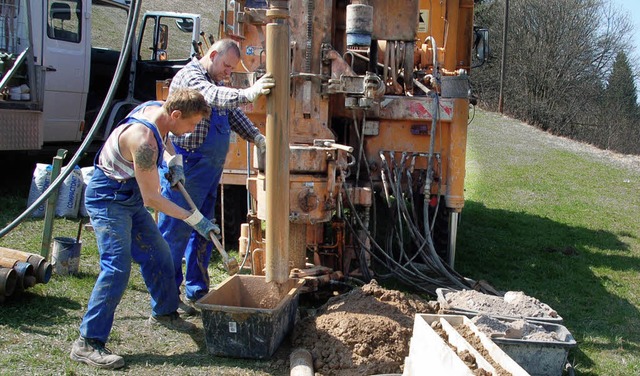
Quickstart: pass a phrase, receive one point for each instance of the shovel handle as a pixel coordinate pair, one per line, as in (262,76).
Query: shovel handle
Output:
(216,242)
(213,237)
(186,196)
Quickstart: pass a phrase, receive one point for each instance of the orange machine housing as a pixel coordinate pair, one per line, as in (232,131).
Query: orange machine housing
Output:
(378,111)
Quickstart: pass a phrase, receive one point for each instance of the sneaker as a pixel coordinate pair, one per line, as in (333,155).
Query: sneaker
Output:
(172,321)
(94,353)
(187,308)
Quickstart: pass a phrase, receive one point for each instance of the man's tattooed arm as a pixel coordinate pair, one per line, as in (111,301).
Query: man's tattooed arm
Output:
(146,156)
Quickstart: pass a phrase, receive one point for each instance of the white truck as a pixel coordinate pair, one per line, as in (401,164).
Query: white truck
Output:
(60,56)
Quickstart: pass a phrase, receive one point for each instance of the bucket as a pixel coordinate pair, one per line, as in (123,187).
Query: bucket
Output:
(246,317)
(65,257)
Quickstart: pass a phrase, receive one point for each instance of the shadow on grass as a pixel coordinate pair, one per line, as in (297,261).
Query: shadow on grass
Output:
(202,359)
(29,309)
(554,263)
(194,359)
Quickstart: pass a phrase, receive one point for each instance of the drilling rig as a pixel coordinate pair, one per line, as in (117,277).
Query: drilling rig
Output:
(366,136)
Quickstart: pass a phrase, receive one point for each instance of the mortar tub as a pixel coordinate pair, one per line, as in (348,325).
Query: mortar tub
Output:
(441,294)
(41,266)
(65,255)
(430,354)
(539,358)
(8,281)
(24,271)
(246,317)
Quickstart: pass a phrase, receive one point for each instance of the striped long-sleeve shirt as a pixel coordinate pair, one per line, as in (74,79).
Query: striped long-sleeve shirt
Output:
(194,76)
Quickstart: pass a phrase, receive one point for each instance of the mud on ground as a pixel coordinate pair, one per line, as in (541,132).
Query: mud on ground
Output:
(363,332)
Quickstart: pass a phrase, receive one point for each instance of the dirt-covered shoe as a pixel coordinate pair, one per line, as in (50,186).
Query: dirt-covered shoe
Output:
(94,353)
(187,308)
(172,321)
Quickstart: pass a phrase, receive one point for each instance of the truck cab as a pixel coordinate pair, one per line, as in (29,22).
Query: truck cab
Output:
(59,58)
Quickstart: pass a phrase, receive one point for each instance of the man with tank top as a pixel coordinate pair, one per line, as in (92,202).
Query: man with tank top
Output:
(124,183)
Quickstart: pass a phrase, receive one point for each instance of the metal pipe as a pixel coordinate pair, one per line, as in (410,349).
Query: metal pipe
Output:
(41,266)
(301,363)
(277,134)
(8,281)
(457,155)
(24,271)
(453,234)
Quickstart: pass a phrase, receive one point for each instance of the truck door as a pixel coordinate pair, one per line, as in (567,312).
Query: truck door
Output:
(65,58)
(165,44)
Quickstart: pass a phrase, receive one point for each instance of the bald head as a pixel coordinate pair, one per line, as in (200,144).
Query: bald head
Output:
(221,58)
(224,46)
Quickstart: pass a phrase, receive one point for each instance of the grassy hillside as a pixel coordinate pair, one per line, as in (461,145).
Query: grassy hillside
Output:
(109,24)
(559,221)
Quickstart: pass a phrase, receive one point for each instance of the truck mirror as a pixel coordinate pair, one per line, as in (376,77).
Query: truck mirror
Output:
(481,44)
(163,40)
(185,24)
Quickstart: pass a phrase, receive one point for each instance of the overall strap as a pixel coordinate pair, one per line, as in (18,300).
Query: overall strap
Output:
(131,118)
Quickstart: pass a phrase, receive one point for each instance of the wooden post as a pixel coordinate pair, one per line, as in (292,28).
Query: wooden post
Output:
(50,211)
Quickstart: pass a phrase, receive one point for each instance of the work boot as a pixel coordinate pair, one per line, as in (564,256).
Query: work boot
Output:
(94,353)
(172,321)
(187,308)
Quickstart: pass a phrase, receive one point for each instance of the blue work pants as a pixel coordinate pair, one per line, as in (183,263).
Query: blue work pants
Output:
(202,169)
(125,231)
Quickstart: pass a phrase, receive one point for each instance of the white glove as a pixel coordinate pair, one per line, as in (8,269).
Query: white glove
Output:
(261,87)
(261,143)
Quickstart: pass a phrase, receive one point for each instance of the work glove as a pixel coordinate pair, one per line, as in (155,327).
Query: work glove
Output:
(176,170)
(202,225)
(261,143)
(261,87)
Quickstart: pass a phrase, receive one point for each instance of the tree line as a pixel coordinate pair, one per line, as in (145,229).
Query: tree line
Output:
(567,69)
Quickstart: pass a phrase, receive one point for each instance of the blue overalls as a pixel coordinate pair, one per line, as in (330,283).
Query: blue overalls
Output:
(203,170)
(125,231)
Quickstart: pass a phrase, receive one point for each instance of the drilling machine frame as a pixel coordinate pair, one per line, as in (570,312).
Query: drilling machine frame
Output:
(378,114)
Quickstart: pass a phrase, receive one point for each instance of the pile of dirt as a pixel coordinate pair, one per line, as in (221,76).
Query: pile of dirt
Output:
(367,331)
(517,329)
(363,332)
(513,304)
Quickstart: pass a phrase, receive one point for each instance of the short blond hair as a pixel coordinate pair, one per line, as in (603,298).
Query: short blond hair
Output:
(188,101)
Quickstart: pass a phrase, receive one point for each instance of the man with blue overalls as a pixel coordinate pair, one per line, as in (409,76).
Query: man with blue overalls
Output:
(124,183)
(204,152)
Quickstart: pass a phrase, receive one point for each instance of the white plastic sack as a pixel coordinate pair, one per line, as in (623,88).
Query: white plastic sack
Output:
(69,192)
(87,172)
(39,182)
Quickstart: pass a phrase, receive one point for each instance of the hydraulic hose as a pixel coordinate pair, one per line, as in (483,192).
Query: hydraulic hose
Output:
(124,56)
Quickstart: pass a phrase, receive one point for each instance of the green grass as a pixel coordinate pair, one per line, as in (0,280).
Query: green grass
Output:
(558,224)
(38,326)
(527,202)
